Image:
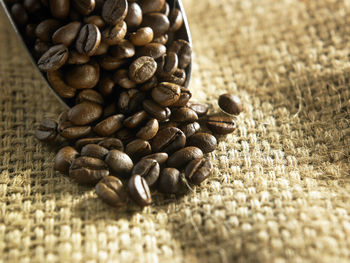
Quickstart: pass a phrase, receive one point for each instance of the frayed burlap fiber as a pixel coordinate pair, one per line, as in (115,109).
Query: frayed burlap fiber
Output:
(280,190)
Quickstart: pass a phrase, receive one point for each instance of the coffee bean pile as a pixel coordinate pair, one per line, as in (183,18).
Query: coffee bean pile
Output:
(131,128)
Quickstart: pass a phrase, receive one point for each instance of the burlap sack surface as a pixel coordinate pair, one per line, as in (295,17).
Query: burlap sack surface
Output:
(280,188)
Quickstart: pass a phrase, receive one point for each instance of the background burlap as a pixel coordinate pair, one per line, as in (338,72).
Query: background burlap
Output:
(280,188)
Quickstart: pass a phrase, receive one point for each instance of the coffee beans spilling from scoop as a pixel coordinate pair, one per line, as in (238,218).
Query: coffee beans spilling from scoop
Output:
(132,129)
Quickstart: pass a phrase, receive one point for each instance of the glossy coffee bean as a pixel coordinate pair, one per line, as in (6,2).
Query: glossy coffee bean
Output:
(148,169)
(114,11)
(166,94)
(142,36)
(119,162)
(157,21)
(179,77)
(221,124)
(19,14)
(163,39)
(110,125)
(70,132)
(138,148)
(149,6)
(59,8)
(156,111)
(134,17)
(130,101)
(106,86)
(88,40)
(89,95)
(190,128)
(135,120)
(102,49)
(84,113)
(142,69)
(169,140)
(64,159)
(75,58)
(54,58)
(139,190)
(84,76)
(55,78)
(96,20)
(204,141)
(160,157)
(46,28)
(176,20)
(84,7)
(230,103)
(121,77)
(154,50)
(198,170)
(182,157)
(169,181)
(94,150)
(148,131)
(47,130)
(110,189)
(112,144)
(66,34)
(185,96)
(200,108)
(167,64)
(124,49)
(88,170)
(184,52)
(113,35)
(85,141)
(184,114)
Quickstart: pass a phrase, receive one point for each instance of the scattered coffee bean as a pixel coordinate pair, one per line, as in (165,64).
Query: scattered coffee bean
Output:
(134,16)
(204,141)
(47,130)
(138,148)
(79,144)
(184,114)
(110,125)
(110,189)
(156,111)
(230,103)
(149,6)
(169,140)
(71,132)
(166,93)
(114,11)
(176,20)
(220,124)
(54,58)
(142,36)
(142,69)
(149,130)
(184,52)
(200,108)
(182,157)
(169,181)
(148,169)
(66,34)
(113,35)
(139,190)
(88,40)
(84,7)
(157,21)
(190,128)
(119,163)
(64,159)
(135,120)
(198,170)
(94,150)
(84,76)
(160,157)
(84,113)
(88,170)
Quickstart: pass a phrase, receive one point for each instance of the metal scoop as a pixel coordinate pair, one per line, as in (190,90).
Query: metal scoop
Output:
(182,33)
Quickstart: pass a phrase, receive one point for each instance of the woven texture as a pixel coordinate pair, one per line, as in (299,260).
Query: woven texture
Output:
(280,190)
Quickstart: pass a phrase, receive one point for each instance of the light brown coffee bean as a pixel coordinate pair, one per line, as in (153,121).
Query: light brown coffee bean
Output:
(142,36)
(166,94)
(135,120)
(142,69)
(120,163)
(182,157)
(64,159)
(110,125)
(156,111)
(184,114)
(88,40)
(134,17)
(84,113)
(110,189)
(149,130)
(154,50)
(149,6)
(89,95)
(94,150)
(113,35)
(71,132)
(163,39)
(84,7)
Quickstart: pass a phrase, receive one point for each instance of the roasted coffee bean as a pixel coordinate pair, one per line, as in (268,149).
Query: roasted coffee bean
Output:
(156,111)
(32,6)
(166,93)
(88,170)
(149,130)
(110,125)
(142,69)
(176,20)
(109,110)
(119,162)
(89,95)
(167,64)
(111,63)
(112,144)
(154,50)
(75,58)
(204,141)
(161,158)
(54,58)
(64,159)
(163,39)
(142,36)
(19,14)
(190,128)
(198,170)
(47,130)
(110,189)
(134,17)
(59,8)
(157,21)
(179,77)
(184,52)
(84,7)
(102,49)
(221,124)
(84,76)
(135,120)
(85,141)
(121,77)
(94,19)
(66,34)
(169,181)
(94,150)
(84,113)
(130,101)
(182,157)
(184,114)
(124,49)
(55,78)
(148,169)
(150,84)
(114,11)
(200,108)
(230,103)
(88,40)
(70,132)
(185,96)
(113,35)
(106,86)
(125,135)
(46,28)
(139,190)
(138,148)
(169,140)
(149,6)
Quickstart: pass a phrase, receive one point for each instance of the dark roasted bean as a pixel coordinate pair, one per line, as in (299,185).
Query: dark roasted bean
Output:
(139,190)
(89,95)
(190,128)
(169,140)
(113,35)
(33,6)
(142,36)
(88,170)
(66,34)
(55,78)
(142,69)
(109,110)
(198,170)
(88,40)
(160,157)
(184,52)
(112,144)
(94,150)
(138,148)
(169,181)
(114,11)
(149,130)
(184,114)
(106,86)
(150,84)
(200,108)
(230,103)
(64,159)
(154,50)
(130,101)
(76,58)
(175,19)
(46,28)
(110,125)
(121,77)
(134,17)
(19,14)
(84,76)
(182,157)
(84,7)
(221,124)
(125,135)
(148,169)
(59,8)
(185,96)
(204,141)
(70,132)
(110,189)
(111,63)
(157,21)
(149,6)
(30,31)
(84,113)
(166,93)
(85,141)
(135,120)
(54,58)
(167,64)
(124,49)
(119,162)
(179,77)
(102,49)
(47,130)
(156,111)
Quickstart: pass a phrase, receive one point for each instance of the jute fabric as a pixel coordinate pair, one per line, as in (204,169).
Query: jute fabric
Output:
(280,190)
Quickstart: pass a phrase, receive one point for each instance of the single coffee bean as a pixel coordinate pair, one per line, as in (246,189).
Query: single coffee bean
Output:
(120,163)
(149,6)
(200,108)
(112,144)
(157,21)
(185,96)
(54,58)
(135,120)
(142,36)
(169,181)
(88,40)
(166,94)
(94,19)
(85,141)
(84,7)
(130,101)
(89,95)
(84,113)
(142,69)
(114,11)
(47,130)
(221,124)
(156,111)
(190,128)
(176,20)
(184,52)
(64,159)
(71,132)
(182,157)
(59,8)
(106,86)
(134,17)
(84,76)
(138,148)
(154,50)
(204,141)
(184,114)
(110,125)
(124,49)
(230,103)
(150,84)
(139,190)
(102,49)
(113,35)
(94,150)
(46,28)
(32,6)
(179,77)
(148,169)
(19,14)
(88,170)
(125,135)
(111,63)
(163,39)
(75,58)
(55,78)
(167,64)
(169,140)
(149,130)
(161,158)
(198,170)
(110,189)
(66,34)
